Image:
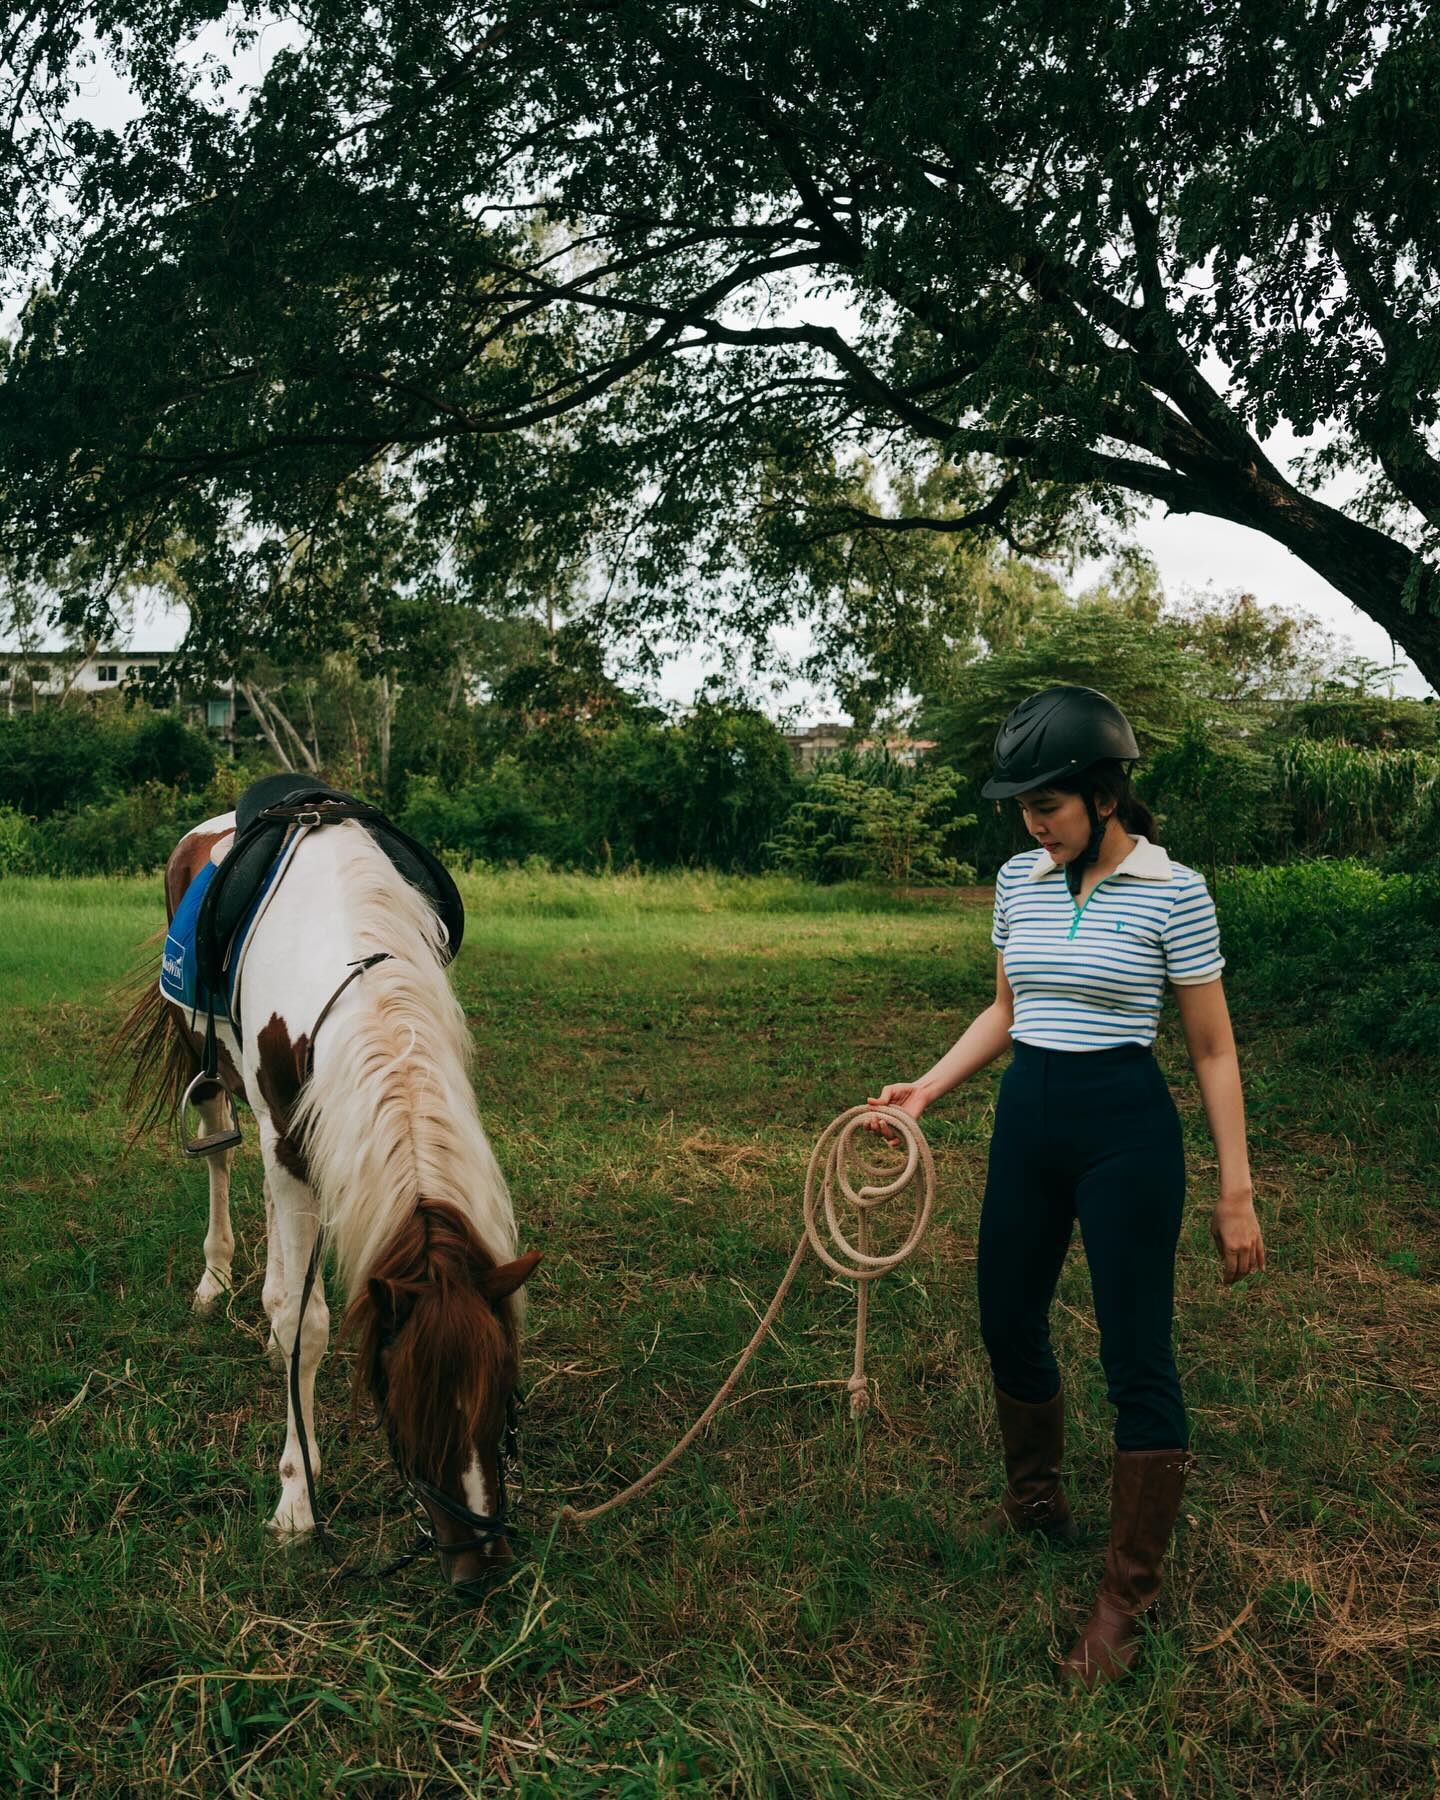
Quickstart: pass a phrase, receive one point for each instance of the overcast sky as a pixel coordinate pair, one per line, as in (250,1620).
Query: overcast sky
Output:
(1191,552)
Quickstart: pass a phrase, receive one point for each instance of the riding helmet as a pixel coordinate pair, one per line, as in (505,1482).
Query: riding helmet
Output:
(1054,733)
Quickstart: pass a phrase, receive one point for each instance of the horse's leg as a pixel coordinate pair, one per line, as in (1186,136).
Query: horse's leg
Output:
(297,1218)
(273,1292)
(219,1236)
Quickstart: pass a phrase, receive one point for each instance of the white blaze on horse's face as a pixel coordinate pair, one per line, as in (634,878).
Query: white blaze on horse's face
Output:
(477,1495)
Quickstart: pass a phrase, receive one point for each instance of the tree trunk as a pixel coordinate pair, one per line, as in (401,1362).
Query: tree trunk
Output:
(257,712)
(1367,566)
(88,649)
(386,694)
(259,702)
(314,729)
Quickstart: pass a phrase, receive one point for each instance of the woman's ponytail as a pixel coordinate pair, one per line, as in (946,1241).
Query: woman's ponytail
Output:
(1110,780)
(1135,815)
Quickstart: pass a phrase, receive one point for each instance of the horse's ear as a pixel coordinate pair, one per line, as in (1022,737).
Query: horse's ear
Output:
(391,1308)
(500,1283)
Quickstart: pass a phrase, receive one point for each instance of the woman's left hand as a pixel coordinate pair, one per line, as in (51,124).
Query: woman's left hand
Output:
(1237,1236)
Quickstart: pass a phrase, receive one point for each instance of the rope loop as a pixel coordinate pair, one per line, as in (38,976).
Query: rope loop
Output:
(831,1159)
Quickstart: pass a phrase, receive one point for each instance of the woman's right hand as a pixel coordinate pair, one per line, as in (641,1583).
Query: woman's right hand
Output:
(909,1096)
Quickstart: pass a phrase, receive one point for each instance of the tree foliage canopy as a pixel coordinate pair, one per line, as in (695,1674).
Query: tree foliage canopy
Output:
(751,305)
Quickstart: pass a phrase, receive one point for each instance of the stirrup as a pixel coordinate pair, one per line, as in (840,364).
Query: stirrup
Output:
(219,1140)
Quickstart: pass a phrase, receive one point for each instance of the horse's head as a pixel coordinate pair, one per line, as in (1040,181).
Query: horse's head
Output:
(439,1354)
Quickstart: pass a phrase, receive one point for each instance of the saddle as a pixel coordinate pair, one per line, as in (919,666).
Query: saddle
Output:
(264,815)
(267,817)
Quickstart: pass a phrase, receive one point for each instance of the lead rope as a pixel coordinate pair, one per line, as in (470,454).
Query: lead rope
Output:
(828,1162)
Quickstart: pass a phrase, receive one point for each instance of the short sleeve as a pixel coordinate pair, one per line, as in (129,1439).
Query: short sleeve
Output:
(1000,928)
(1192,938)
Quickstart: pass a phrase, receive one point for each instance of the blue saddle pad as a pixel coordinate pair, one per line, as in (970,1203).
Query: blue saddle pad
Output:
(179,974)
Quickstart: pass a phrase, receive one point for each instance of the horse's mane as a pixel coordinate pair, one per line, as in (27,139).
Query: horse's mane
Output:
(388,1118)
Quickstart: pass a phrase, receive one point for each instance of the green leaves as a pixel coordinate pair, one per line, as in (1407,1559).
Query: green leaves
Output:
(718,302)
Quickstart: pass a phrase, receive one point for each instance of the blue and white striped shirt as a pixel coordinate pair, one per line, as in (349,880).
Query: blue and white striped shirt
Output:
(1089,977)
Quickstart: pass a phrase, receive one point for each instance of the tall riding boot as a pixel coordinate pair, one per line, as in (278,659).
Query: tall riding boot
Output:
(1145,1491)
(1034,1440)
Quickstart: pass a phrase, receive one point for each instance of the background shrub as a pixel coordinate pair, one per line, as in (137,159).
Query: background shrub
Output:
(124,836)
(843,826)
(497,818)
(1214,801)
(1370,720)
(55,760)
(17,845)
(1340,946)
(1343,800)
(62,759)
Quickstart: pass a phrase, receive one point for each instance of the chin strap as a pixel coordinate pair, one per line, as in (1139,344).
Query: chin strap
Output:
(1091,853)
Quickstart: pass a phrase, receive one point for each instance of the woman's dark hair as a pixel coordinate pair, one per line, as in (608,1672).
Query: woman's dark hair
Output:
(1110,781)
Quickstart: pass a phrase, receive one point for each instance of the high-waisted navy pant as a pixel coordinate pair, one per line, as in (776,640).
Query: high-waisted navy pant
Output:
(1094,1136)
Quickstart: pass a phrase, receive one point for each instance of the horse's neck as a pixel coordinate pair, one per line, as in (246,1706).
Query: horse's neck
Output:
(389,1115)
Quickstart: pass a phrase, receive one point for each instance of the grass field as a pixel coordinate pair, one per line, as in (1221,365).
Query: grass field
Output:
(806,1607)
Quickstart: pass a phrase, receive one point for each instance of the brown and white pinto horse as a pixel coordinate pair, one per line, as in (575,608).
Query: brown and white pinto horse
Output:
(369,1133)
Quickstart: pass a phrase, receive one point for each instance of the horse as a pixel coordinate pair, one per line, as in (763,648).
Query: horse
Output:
(372,1141)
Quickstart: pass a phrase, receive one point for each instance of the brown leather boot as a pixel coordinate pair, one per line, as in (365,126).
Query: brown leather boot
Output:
(1145,1491)
(1034,1440)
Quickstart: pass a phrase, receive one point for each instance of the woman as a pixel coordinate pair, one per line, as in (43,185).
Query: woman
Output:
(1089,927)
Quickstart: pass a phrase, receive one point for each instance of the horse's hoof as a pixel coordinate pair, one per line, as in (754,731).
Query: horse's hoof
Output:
(287,1529)
(210,1289)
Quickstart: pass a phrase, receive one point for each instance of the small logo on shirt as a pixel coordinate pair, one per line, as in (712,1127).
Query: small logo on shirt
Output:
(1119,925)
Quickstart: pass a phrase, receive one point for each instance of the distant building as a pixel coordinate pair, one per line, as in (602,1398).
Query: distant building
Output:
(27,678)
(816,742)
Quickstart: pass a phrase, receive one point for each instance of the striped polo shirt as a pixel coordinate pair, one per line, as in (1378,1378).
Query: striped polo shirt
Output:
(1090,977)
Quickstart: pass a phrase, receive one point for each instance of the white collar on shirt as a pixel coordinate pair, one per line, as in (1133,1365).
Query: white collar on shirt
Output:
(1146,862)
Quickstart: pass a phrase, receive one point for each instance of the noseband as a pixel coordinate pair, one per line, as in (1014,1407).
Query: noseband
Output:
(484,1528)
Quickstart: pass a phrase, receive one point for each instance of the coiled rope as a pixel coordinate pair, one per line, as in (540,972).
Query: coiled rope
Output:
(837,1147)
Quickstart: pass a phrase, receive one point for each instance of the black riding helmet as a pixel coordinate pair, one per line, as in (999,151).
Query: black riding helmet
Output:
(1053,737)
(1057,733)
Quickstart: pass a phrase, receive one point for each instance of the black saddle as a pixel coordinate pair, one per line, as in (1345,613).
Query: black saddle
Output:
(263,814)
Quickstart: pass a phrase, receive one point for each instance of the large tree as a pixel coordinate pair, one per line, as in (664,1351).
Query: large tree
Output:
(719,292)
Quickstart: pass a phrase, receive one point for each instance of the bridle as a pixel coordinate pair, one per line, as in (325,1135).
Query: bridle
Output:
(484,1528)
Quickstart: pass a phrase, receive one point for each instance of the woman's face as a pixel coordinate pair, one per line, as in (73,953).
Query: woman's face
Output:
(1059,822)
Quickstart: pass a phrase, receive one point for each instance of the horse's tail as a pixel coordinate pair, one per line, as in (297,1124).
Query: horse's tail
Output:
(162,1063)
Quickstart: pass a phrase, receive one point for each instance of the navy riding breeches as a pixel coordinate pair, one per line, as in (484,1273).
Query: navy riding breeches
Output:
(1094,1136)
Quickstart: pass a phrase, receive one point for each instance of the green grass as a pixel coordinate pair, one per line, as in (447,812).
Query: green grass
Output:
(804,1607)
